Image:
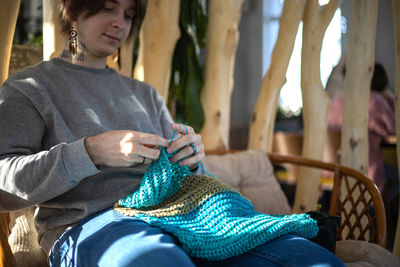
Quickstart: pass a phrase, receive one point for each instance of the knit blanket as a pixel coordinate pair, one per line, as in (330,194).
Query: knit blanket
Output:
(210,219)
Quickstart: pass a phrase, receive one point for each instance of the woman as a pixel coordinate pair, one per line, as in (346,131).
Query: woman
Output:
(78,136)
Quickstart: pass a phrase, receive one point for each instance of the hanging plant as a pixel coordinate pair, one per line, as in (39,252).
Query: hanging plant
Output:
(188,65)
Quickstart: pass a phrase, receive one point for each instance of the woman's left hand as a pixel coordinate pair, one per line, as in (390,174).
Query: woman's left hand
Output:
(190,145)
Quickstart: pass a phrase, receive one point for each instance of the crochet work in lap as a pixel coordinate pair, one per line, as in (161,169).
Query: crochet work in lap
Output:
(210,219)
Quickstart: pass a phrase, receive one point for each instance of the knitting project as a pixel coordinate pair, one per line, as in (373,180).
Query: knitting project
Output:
(209,218)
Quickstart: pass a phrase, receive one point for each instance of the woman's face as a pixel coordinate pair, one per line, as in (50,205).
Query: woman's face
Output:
(107,30)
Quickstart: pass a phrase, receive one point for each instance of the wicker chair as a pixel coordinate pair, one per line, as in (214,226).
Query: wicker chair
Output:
(362,214)
(365,205)
(352,207)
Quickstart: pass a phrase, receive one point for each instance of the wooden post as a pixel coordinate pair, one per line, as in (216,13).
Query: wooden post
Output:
(222,39)
(53,39)
(359,70)
(357,84)
(158,36)
(263,119)
(8,18)
(315,101)
(396,22)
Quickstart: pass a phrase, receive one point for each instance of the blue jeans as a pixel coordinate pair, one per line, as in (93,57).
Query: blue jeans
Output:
(109,238)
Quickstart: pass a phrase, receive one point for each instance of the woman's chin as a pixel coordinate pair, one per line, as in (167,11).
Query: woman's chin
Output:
(105,52)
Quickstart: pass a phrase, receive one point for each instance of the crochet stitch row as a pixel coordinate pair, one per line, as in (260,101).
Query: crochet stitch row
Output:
(208,217)
(194,191)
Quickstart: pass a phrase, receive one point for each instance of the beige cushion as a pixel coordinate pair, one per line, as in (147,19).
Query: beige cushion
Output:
(23,239)
(361,253)
(252,174)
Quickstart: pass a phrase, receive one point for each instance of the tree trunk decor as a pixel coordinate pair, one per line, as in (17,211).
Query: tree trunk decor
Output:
(263,119)
(357,84)
(53,40)
(8,17)
(158,35)
(222,38)
(315,100)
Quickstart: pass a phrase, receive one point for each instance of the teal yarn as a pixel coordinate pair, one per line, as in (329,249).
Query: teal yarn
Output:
(210,219)
(160,182)
(173,138)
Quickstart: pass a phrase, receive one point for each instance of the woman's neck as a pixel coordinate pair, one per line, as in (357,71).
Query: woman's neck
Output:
(83,58)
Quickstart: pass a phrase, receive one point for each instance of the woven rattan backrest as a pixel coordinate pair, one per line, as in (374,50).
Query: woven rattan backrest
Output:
(360,207)
(358,202)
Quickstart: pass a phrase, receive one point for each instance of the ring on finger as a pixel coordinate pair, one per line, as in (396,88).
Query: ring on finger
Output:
(194,149)
(186,129)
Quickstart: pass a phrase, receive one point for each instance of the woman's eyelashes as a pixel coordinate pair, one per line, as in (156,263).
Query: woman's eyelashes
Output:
(128,15)
(108,9)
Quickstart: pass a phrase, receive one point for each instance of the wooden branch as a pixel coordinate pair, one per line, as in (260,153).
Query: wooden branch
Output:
(328,12)
(8,18)
(263,119)
(53,40)
(315,103)
(222,38)
(158,36)
(396,24)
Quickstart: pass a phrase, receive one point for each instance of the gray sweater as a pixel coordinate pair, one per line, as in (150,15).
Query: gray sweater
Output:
(46,111)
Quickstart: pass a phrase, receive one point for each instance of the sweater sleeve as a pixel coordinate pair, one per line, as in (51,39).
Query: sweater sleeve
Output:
(30,175)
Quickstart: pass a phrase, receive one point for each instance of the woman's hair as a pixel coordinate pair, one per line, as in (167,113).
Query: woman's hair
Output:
(380,79)
(71,9)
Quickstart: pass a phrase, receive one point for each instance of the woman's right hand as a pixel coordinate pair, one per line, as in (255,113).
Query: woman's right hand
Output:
(123,148)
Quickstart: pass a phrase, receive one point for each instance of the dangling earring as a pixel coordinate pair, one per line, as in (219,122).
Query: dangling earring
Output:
(73,41)
(119,58)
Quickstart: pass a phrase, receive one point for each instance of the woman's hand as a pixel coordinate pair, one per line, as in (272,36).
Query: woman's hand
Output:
(122,148)
(192,149)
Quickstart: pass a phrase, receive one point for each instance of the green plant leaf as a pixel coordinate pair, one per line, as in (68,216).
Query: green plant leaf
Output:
(188,65)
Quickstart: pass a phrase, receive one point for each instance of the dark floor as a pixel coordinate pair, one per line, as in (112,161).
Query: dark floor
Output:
(390,195)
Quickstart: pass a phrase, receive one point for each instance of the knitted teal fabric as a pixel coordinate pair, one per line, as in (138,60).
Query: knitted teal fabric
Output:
(209,218)
(160,182)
